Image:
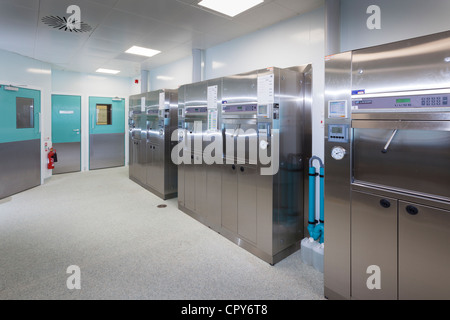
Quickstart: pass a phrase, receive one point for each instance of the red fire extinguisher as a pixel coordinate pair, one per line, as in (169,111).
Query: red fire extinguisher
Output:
(51,159)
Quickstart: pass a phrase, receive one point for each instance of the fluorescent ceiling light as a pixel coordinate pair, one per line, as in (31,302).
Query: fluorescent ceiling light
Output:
(230,7)
(109,71)
(142,51)
(39,71)
(165,78)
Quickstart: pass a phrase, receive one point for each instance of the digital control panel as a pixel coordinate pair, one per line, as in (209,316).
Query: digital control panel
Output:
(194,110)
(338,133)
(403,102)
(152,111)
(239,108)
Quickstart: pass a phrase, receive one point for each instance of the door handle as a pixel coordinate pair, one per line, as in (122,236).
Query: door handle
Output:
(412,210)
(386,147)
(385,203)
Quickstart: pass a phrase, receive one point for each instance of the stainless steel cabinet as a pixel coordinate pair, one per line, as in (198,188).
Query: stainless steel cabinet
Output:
(153,119)
(261,213)
(387,200)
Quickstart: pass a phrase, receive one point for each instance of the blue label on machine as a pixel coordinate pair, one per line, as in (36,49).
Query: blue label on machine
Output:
(357,92)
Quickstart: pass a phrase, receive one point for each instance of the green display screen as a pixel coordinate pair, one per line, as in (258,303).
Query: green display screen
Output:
(403,100)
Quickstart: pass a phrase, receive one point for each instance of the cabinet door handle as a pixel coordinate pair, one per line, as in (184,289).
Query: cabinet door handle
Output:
(412,210)
(385,203)
(242,169)
(233,167)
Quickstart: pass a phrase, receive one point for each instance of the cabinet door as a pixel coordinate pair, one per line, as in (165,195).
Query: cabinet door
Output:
(247,202)
(229,198)
(200,188)
(148,164)
(424,254)
(374,243)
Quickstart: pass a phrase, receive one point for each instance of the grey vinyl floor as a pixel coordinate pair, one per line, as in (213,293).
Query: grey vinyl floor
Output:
(127,248)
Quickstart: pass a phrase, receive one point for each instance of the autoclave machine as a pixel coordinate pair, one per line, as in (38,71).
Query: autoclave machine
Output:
(153,119)
(387,187)
(264,112)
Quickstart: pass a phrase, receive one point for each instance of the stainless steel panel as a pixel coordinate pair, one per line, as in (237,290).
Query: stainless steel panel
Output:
(69,157)
(189,186)
(409,116)
(414,64)
(106,150)
(230,198)
(214,195)
(416,160)
(247,202)
(243,137)
(241,88)
(201,204)
(424,256)
(20,166)
(337,184)
(402,125)
(374,227)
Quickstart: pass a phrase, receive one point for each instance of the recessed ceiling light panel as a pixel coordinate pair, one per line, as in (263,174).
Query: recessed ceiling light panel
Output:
(108,71)
(146,52)
(230,7)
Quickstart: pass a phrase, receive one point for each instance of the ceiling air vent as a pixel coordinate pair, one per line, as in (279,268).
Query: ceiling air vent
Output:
(62,24)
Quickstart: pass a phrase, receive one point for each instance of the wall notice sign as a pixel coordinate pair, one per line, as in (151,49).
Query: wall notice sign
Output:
(266,92)
(66,112)
(162,100)
(212,97)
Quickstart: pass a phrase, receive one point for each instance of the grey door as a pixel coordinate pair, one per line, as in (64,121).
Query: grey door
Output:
(229,198)
(247,202)
(424,254)
(374,243)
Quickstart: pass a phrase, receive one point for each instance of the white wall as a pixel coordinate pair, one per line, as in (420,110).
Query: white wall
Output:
(400,20)
(32,74)
(87,85)
(172,75)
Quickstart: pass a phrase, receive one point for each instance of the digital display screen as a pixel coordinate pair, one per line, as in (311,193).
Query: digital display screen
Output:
(262,110)
(239,108)
(336,130)
(337,109)
(403,100)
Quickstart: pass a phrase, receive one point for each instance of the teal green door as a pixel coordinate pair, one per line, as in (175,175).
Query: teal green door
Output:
(20,140)
(106,132)
(66,132)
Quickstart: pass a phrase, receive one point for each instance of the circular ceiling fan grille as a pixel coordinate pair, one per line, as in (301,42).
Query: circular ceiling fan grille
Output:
(62,24)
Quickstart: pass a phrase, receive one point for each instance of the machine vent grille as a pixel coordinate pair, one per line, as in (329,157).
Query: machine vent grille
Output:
(61,23)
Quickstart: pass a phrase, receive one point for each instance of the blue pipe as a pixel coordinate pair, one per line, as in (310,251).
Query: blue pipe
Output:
(316,230)
(312,201)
